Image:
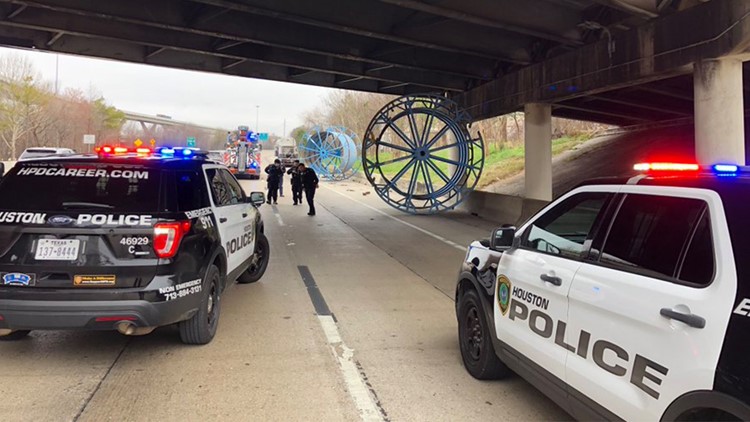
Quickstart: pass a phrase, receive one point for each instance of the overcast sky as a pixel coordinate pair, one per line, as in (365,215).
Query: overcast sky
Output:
(208,99)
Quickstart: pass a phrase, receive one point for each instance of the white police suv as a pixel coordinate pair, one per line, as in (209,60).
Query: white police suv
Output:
(625,299)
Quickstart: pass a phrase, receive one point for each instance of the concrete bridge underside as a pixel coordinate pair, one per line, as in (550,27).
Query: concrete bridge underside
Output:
(624,62)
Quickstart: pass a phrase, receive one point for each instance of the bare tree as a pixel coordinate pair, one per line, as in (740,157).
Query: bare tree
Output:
(22,100)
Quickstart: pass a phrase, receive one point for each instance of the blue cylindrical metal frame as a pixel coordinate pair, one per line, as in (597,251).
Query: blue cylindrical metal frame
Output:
(333,152)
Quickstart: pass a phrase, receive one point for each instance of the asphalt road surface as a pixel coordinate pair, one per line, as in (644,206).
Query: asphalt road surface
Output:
(388,351)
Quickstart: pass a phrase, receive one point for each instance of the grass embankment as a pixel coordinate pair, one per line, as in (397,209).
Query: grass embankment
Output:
(503,162)
(500,163)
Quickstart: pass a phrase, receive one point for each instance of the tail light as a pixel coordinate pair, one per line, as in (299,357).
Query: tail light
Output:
(167,237)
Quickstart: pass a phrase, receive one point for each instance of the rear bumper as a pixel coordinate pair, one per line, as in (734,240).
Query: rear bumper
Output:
(91,314)
(248,171)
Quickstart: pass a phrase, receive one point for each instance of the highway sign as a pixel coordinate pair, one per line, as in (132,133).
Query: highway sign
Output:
(191,141)
(263,136)
(89,139)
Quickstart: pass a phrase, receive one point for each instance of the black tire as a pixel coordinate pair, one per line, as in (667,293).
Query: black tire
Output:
(15,335)
(201,328)
(474,338)
(256,270)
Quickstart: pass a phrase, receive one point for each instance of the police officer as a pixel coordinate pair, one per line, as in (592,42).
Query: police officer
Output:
(309,185)
(274,172)
(296,182)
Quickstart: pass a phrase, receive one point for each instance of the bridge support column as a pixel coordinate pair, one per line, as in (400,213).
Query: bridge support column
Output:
(538,151)
(719,112)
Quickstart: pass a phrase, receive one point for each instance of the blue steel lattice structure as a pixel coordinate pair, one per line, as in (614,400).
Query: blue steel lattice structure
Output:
(333,152)
(419,156)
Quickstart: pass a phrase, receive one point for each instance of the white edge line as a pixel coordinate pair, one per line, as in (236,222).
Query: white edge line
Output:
(427,232)
(278,217)
(355,385)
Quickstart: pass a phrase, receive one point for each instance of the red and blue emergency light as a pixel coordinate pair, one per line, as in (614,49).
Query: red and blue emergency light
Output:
(681,168)
(109,150)
(170,152)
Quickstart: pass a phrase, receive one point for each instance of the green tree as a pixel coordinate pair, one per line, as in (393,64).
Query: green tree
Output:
(298,134)
(106,121)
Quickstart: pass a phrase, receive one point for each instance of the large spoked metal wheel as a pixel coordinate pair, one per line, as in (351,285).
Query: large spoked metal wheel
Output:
(333,152)
(474,337)
(201,327)
(419,155)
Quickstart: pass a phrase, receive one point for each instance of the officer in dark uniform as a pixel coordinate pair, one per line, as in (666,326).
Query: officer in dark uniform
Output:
(309,185)
(296,182)
(274,172)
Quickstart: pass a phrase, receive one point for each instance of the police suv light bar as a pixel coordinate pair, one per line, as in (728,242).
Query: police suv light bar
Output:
(717,169)
(181,151)
(666,167)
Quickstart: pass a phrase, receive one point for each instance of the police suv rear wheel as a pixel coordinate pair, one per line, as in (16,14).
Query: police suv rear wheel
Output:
(15,335)
(201,328)
(475,340)
(260,261)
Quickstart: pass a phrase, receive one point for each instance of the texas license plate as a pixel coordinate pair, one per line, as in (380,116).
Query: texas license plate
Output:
(57,250)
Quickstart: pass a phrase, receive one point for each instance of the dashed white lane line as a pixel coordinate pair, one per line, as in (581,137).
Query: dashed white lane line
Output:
(278,217)
(406,223)
(358,390)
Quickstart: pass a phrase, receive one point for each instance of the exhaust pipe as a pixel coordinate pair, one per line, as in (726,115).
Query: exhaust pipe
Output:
(129,329)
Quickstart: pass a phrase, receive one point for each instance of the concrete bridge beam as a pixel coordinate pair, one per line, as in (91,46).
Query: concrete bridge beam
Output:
(719,111)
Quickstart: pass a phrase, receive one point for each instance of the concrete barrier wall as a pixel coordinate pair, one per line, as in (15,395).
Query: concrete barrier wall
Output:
(495,207)
(501,209)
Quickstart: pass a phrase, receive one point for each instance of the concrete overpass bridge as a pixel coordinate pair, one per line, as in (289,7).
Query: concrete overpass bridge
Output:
(621,62)
(389,278)
(149,123)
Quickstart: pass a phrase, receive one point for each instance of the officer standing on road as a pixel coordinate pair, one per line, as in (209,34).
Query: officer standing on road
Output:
(274,171)
(309,184)
(296,182)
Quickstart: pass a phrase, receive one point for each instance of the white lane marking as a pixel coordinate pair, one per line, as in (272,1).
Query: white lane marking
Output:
(358,390)
(427,232)
(278,217)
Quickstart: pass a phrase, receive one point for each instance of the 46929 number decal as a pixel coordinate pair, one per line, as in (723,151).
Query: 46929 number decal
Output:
(134,241)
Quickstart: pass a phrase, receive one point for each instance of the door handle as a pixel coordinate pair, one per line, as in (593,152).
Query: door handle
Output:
(222,220)
(244,214)
(557,281)
(689,319)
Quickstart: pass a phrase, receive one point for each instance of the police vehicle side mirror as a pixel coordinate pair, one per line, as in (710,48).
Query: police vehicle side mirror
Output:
(257,198)
(2,169)
(502,238)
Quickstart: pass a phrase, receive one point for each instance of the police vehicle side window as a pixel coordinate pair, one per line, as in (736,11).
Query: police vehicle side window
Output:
(238,195)
(698,263)
(219,190)
(564,229)
(651,234)
(190,190)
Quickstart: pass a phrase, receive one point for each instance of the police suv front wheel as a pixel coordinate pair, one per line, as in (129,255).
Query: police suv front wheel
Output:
(201,327)
(260,261)
(475,340)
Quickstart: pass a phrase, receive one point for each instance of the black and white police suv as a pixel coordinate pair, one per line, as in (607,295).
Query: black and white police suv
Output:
(124,240)
(623,299)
